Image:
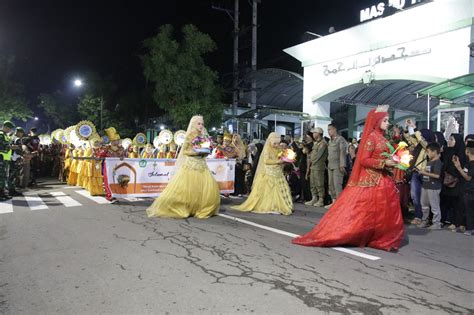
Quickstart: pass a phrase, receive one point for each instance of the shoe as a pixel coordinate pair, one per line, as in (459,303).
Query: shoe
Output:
(423,225)
(329,205)
(461,229)
(320,203)
(416,221)
(435,226)
(452,227)
(311,202)
(468,232)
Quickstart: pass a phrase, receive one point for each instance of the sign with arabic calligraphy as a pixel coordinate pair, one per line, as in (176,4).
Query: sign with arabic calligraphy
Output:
(400,53)
(380,9)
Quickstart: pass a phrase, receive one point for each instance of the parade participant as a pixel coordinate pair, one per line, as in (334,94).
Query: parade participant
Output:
(16,165)
(148,153)
(193,190)
(270,191)
(218,151)
(68,154)
(133,152)
(172,151)
(113,150)
(317,166)
(94,171)
(73,174)
(367,213)
(5,157)
(62,163)
(81,174)
(239,149)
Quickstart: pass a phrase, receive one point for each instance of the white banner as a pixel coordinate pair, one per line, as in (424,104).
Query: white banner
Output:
(149,177)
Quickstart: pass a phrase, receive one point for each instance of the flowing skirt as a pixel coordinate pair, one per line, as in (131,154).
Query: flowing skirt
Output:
(191,192)
(361,216)
(270,194)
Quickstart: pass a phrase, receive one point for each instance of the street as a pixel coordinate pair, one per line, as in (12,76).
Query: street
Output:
(63,252)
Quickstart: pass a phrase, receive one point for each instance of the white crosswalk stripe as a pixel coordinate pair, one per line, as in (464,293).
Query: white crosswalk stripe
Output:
(97,199)
(35,202)
(68,201)
(44,200)
(6,207)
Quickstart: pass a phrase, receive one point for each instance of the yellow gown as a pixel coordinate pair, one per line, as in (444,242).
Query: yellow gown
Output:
(72,179)
(191,192)
(80,169)
(96,180)
(85,171)
(67,163)
(270,191)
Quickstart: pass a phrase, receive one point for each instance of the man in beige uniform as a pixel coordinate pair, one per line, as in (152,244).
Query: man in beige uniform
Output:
(315,170)
(337,150)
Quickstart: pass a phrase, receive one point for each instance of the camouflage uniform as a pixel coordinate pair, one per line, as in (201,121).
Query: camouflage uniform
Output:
(5,155)
(16,166)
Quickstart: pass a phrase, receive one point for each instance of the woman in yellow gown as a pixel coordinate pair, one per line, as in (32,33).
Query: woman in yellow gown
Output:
(270,190)
(192,191)
(72,179)
(96,180)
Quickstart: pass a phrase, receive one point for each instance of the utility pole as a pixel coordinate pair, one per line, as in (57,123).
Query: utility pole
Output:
(235,69)
(253,95)
(235,83)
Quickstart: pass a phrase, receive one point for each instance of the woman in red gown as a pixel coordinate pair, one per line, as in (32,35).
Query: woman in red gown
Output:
(367,213)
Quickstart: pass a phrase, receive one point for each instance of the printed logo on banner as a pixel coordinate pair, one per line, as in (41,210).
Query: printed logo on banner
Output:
(142,163)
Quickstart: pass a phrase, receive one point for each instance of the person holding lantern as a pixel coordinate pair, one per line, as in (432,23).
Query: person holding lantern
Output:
(367,213)
(270,190)
(192,191)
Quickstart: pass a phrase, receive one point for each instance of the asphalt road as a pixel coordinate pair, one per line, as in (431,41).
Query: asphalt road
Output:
(64,253)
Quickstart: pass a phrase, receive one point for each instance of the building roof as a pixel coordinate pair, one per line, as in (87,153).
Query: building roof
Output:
(456,90)
(276,88)
(399,94)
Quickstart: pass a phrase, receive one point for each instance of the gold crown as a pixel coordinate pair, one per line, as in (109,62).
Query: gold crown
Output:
(382,108)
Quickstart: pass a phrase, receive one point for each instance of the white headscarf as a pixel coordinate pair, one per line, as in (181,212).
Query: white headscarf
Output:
(192,128)
(261,170)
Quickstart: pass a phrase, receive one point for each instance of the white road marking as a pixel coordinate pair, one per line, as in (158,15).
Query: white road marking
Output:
(70,187)
(6,206)
(258,225)
(57,193)
(97,199)
(292,235)
(35,202)
(68,201)
(132,199)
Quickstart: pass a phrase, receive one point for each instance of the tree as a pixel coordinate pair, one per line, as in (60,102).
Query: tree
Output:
(57,109)
(12,102)
(89,108)
(183,84)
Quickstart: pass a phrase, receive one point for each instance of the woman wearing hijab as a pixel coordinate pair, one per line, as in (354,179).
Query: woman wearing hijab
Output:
(192,191)
(270,190)
(367,213)
(452,205)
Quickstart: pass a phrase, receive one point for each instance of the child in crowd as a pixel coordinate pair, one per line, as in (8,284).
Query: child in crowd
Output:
(468,174)
(248,177)
(431,187)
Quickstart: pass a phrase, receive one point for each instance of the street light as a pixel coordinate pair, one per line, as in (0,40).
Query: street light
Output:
(36,118)
(162,127)
(78,83)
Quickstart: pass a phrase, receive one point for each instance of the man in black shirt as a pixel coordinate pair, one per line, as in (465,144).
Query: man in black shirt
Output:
(468,175)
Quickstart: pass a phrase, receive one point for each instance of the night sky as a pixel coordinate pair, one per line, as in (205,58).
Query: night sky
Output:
(54,41)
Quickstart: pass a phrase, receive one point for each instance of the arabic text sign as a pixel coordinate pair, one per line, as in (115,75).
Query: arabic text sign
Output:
(149,177)
(400,53)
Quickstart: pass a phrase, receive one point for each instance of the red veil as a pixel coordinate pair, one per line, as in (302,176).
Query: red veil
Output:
(367,213)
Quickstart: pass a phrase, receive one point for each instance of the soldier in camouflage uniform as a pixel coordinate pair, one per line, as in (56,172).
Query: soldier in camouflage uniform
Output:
(5,157)
(16,164)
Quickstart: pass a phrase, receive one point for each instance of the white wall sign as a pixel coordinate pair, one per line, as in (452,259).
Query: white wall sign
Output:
(378,10)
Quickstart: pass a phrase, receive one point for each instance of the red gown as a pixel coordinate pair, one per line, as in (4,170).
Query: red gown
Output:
(367,213)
